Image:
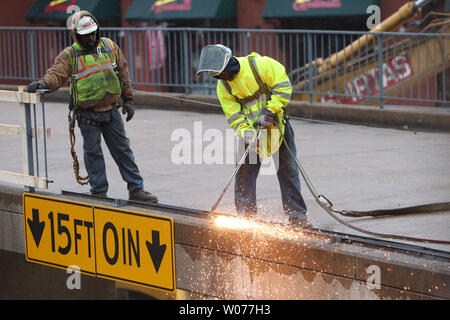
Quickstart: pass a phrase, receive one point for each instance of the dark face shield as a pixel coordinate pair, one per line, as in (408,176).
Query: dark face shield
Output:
(213,59)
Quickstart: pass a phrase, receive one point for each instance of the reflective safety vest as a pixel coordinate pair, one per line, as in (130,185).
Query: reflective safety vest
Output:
(262,82)
(91,78)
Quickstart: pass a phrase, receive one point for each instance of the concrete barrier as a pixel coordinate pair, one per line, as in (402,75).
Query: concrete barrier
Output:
(20,279)
(216,262)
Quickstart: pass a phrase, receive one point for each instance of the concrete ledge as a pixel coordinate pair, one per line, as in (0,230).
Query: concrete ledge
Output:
(411,118)
(11,199)
(279,264)
(272,266)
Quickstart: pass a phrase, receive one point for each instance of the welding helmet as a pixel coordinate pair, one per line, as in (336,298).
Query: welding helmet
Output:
(213,59)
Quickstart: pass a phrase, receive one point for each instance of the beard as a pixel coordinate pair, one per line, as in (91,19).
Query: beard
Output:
(91,45)
(88,43)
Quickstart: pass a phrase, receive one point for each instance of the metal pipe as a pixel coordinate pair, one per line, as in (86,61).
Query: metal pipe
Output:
(406,12)
(42,92)
(421,3)
(238,166)
(36,139)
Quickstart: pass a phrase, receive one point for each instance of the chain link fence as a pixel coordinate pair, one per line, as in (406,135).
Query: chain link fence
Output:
(324,66)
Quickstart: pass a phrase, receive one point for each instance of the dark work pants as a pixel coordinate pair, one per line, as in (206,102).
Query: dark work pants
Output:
(118,145)
(288,178)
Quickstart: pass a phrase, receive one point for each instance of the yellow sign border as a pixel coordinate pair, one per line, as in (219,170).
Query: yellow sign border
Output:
(50,264)
(115,210)
(172,247)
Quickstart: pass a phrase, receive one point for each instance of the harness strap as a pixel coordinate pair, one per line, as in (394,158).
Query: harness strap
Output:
(92,122)
(107,48)
(263,88)
(99,50)
(76,165)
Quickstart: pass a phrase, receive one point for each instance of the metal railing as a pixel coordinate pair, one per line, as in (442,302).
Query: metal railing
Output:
(30,134)
(324,66)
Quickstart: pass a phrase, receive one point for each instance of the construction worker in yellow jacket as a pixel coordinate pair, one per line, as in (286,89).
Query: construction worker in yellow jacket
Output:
(254,92)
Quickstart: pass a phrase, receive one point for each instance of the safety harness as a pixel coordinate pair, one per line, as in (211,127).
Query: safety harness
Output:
(263,89)
(73,104)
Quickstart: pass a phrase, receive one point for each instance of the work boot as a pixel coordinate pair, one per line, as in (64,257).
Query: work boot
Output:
(299,221)
(144,196)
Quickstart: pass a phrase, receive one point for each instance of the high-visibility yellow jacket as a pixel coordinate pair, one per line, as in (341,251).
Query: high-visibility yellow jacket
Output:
(242,106)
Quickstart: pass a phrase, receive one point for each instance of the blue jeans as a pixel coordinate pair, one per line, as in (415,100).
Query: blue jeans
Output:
(118,145)
(288,178)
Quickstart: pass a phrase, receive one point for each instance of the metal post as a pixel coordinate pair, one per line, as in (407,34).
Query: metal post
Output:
(32,54)
(380,70)
(310,72)
(44,130)
(130,56)
(27,142)
(36,144)
(187,74)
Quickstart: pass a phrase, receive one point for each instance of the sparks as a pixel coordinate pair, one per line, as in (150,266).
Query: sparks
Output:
(259,227)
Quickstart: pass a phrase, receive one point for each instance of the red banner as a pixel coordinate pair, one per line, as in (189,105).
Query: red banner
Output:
(305,5)
(170,5)
(395,70)
(59,5)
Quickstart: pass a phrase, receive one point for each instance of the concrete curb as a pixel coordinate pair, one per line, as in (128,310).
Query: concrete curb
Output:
(238,263)
(399,118)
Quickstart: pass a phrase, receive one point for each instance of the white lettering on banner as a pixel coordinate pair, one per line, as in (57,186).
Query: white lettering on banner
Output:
(395,70)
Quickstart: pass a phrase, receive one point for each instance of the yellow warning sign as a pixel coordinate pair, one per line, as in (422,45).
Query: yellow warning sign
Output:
(122,245)
(135,247)
(59,233)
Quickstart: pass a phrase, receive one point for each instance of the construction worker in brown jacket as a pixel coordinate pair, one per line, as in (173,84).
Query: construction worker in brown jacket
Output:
(99,79)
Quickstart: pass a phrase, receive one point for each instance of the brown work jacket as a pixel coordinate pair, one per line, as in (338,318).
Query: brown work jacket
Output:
(61,70)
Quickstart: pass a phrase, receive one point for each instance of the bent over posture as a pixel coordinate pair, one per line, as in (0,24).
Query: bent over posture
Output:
(254,92)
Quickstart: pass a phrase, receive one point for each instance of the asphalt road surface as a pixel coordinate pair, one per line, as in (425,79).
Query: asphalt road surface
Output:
(187,157)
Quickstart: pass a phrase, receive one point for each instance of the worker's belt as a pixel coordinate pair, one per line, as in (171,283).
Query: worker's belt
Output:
(94,118)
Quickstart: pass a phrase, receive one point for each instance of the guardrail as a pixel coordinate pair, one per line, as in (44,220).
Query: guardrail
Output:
(324,66)
(29,131)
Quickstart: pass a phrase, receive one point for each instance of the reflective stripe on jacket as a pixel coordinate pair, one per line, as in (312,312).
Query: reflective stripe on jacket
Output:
(94,78)
(242,107)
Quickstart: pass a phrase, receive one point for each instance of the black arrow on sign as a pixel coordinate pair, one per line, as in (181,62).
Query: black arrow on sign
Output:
(36,227)
(156,250)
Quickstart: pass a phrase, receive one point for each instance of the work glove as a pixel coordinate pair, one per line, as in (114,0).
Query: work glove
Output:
(128,108)
(249,137)
(251,140)
(265,119)
(35,85)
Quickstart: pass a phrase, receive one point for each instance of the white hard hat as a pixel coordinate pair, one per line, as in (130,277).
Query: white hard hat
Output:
(214,59)
(86,25)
